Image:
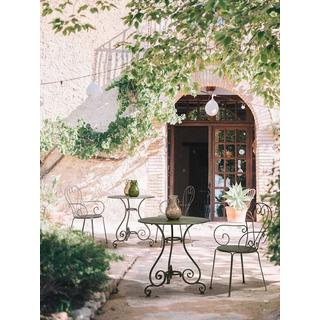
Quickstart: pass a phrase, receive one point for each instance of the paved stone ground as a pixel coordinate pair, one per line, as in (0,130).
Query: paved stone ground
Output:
(180,301)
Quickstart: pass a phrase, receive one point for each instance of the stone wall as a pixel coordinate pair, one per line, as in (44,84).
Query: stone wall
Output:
(99,179)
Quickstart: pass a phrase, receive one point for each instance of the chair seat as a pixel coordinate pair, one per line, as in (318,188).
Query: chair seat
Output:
(88,216)
(236,249)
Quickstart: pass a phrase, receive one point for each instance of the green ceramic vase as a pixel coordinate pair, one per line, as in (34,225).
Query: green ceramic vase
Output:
(133,190)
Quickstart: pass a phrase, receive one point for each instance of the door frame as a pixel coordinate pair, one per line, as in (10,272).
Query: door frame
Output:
(211,126)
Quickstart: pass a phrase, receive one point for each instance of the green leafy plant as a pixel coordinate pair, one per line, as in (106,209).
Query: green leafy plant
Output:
(71,16)
(273,197)
(48,197)
(239,39)
(236,197)
(72,267)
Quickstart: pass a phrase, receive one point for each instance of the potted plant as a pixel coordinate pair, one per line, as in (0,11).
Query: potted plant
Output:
(237,198)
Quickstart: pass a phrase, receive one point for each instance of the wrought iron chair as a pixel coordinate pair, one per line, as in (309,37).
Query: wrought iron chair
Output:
(85,210)
(247,242)
(187,199)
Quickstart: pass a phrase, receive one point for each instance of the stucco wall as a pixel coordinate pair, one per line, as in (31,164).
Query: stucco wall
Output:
(66,57)
(94,53)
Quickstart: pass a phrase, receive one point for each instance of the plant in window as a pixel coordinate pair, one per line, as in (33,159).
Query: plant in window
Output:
(192,115)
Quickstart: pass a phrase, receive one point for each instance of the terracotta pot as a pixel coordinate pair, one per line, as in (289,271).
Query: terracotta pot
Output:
(173,211)
(235,215)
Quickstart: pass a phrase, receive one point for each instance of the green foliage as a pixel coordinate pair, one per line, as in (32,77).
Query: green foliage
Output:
(70,17)
(48,197)
(197,114)
(236,39)
(72,267)
(240,38)
(81,140)
(273,197)
(236,197)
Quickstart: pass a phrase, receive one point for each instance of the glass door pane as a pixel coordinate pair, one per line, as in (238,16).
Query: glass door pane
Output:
(232,161)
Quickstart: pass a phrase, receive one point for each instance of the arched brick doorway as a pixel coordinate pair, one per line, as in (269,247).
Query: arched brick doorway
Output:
(264,118)
(211,153)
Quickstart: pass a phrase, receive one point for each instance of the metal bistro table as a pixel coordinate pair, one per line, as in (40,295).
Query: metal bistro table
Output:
(124,234)
(161,276)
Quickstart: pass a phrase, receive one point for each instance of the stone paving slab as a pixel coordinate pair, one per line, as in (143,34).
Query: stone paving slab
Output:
(181,301)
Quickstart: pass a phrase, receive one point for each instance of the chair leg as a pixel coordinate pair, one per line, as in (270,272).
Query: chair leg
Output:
(242,268)
(264,282)
(213,262)
(230,279)
(105,232)
(180,233)
(84,221)
(92,228)
(72,224)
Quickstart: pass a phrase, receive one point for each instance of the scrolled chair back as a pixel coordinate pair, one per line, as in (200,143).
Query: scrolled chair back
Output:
(257,234)
(249,233)
(251,193)
(187,199)
(73,197)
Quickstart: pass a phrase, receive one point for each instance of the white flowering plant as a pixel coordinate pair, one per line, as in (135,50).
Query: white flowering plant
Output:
(237,196)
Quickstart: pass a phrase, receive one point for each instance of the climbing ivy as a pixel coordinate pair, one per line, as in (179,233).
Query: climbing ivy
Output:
(125,134)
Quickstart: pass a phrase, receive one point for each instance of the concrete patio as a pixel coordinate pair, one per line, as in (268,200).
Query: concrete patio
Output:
(180,301)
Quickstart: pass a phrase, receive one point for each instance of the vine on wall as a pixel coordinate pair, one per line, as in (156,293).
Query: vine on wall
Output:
(239,39)
(125,134)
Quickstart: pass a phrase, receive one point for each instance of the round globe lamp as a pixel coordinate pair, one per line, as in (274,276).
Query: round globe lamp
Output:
(212,107)
(94,90)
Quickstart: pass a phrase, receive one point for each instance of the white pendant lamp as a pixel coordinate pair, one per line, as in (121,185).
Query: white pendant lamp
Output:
(212,107)
(94,90)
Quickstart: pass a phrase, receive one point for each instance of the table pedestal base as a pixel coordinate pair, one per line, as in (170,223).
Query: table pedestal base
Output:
(124,234)
(161,277)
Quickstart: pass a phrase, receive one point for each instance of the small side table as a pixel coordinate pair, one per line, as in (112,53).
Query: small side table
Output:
(123,234)
(188,275)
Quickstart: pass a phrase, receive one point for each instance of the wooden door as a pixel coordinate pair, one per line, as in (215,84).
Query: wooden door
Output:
(230,161)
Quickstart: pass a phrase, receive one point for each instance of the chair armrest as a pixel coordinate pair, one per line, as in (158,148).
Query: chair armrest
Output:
(98,207)
(77,209)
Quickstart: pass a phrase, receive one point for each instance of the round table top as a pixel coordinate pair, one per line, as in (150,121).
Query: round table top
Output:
(122,196)
(163,220)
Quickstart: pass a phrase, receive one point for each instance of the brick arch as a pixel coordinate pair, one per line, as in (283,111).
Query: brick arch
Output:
(265,151)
